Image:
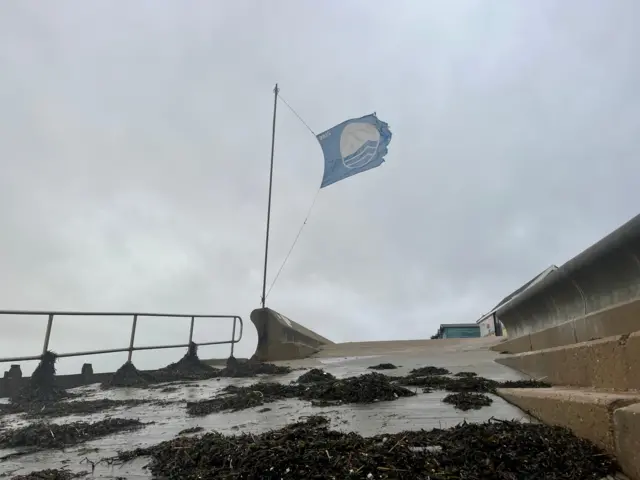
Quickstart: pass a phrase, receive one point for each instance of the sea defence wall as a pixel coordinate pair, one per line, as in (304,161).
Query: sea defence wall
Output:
(579,329)
(280,338)
(594,295)
(12,380)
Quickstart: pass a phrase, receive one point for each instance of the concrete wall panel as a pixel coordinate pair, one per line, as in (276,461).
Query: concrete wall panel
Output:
(609,281)
(280,338)
(605,275)
(569,300)
(618,320)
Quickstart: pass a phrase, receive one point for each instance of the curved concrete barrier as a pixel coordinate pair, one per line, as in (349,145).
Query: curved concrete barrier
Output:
(280,338)
(596,294)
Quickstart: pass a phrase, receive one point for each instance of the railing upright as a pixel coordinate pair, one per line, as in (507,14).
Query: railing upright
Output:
(233,334)
(47,335)
(134,325)
(191,330)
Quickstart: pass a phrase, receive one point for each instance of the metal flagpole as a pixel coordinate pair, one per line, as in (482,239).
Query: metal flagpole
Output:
(266,243)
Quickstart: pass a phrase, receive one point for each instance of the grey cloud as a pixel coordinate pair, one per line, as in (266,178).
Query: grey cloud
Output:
(134,142)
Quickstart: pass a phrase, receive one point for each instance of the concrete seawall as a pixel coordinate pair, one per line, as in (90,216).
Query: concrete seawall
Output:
(594,295)
(13,381)
(280,338)
(579,329)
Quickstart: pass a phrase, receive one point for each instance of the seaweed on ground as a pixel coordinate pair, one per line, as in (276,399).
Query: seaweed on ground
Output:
(189,367)
(452,384)
(81,407)
(236,369)
(468,401)
(129,376)
(189,430)
(495,449)
(471,384)
(315,375)
(55,436)
(369,388)
(524,384)
(383,366)
(428,370)
(464,382)
(51,474)
(235,398)
(437,382)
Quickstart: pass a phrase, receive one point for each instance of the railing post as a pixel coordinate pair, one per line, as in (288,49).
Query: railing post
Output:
(47,335)
(191,331)
(233,335)
(133,336)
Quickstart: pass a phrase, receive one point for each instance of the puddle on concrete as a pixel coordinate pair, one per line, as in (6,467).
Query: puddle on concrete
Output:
(422,411)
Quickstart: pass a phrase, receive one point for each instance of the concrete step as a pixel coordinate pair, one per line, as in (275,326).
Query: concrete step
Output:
(607,363)
(609,420)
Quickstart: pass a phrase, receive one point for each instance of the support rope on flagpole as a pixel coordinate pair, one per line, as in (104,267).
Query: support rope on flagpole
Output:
(296,114)
(315,197)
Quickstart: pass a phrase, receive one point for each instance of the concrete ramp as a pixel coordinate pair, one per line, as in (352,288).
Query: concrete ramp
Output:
(280,338)
(404,347)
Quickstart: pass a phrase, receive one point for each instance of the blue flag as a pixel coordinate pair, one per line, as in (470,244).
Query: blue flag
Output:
(353,147)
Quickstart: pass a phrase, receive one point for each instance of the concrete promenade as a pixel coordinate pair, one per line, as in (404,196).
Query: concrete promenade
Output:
(422,411)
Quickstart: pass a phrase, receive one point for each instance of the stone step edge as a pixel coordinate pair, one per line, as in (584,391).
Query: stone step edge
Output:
(608,419)
(608,363)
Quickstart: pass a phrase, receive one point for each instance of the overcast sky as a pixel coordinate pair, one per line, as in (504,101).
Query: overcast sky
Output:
(134,148)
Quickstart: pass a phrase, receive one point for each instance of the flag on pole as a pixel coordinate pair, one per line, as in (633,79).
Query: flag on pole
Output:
(353,147)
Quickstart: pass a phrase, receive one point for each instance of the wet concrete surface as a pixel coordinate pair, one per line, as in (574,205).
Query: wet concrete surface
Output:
(424,411)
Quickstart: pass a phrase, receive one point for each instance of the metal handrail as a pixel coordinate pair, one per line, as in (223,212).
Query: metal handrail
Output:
(131,348)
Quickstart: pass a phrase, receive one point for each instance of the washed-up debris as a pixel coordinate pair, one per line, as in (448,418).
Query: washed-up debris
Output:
(235,369)
(81,407)
(471,384)
(41,388)
(234,402)
(54,436)
(428,370)
(315,375)
(190,430)
(51,474)
(464,383)
(369,388)
(468,401)
(435,382)
(233,398)
(492,450)
(189,367)
(383,366)
(129,376)
(524,384)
